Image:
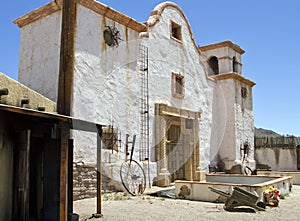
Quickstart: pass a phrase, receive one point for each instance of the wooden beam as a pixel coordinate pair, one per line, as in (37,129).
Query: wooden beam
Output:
(66,66)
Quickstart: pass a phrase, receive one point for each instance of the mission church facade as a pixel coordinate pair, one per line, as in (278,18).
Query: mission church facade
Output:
(188,107)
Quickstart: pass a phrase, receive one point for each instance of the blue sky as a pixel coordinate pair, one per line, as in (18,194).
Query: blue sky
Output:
(268,30)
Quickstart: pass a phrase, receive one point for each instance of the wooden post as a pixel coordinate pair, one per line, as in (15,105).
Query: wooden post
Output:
(99,174)
(66,66)
(63,207)
(65,85)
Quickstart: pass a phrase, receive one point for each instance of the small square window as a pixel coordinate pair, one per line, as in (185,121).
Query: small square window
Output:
(176,31)
(177,85)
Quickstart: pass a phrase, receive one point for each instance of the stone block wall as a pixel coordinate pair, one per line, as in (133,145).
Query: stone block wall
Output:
(85,182)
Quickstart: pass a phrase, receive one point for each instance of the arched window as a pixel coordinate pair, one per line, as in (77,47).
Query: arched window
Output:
(213,66)
(174,133)
(234,65)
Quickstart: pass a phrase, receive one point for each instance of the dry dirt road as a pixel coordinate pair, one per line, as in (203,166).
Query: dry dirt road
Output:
(122,207)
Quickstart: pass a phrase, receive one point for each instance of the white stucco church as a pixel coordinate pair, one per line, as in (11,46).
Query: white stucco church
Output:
(189,107)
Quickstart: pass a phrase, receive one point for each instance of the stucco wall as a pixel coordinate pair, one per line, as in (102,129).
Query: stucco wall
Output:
(39,55)
(244,122)
(233,124)
(168,55)
(279,159)
(107,80)
(225,59)
(223,129)
(106,83)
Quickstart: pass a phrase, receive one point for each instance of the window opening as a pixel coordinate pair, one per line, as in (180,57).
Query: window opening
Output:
(178,85)
(234,65)
(111,138)
(244,92)
(214,66)
(176,31)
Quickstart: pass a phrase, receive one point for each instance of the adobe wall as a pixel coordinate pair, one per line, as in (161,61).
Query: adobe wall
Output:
(17,92)
(278,159)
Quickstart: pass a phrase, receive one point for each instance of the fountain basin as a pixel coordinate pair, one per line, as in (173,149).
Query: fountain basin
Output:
(294,174)
(199,190)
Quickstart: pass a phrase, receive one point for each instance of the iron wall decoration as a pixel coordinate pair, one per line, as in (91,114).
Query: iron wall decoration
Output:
(112,36)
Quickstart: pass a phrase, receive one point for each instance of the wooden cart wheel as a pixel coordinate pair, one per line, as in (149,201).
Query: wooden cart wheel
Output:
(133,177)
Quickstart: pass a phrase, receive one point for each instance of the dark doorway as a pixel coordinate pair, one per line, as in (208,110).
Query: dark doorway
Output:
(37,180)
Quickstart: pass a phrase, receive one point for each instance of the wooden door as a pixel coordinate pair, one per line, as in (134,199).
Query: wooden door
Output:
(175,153)
(51,183)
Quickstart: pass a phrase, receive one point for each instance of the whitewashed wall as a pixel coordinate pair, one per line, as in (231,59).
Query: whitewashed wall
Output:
(223,130)
(106,82)
(225,65)
(39,55)
(244,123)
(168,55)
(226,91)
(233,124)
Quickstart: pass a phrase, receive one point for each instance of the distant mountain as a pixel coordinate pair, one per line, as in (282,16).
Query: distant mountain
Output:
(260,132)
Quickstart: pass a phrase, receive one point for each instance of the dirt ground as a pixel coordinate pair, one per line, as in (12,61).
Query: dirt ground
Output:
(120,206)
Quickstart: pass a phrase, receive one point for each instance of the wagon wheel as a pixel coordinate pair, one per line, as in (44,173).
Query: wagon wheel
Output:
(133,177)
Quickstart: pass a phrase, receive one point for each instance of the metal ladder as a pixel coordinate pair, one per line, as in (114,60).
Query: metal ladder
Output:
(144,109)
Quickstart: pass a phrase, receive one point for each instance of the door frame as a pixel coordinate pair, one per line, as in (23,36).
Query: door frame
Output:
(165,116)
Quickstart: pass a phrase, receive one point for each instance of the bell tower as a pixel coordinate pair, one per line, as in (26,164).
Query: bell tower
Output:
(222,58)
(233,118)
